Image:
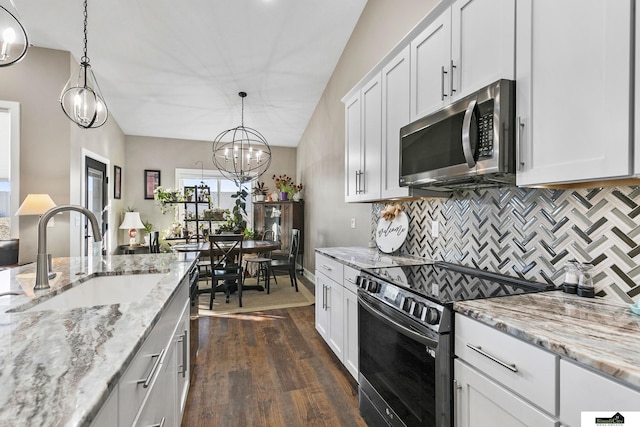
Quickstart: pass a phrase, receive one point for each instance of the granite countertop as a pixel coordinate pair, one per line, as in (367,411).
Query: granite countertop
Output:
(359,257)
(599,333)
(59,366)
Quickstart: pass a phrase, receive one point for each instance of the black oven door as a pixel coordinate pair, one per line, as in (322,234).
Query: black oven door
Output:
(405,368)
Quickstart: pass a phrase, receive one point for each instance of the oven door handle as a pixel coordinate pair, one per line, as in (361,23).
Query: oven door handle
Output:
(397,326)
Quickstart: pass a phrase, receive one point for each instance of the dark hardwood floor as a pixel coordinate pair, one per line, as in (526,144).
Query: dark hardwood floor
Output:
(269,368)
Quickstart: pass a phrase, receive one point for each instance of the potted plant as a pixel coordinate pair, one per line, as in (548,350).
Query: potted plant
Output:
(148,228)
(164,197)
(236,221)
(284,184)
(260,192)
(188,194)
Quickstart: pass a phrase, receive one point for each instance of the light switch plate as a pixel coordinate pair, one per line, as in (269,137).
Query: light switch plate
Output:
(353,223)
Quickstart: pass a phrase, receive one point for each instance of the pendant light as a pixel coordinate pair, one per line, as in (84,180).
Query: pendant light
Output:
(81,98)
(241,154)
(13,37)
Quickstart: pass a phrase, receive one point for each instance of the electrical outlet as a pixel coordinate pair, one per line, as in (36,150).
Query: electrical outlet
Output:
(353,223)
(434,228)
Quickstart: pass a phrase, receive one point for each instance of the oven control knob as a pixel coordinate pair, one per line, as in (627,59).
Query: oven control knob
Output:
(373,287)
(406,305)
(362,283)
(433,316)
(417,309)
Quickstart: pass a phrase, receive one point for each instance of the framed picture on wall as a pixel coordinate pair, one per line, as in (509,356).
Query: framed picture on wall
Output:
(117,182)
(151,182)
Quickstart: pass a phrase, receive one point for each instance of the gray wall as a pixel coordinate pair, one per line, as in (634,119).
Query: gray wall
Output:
(51,145)
(166,155)
(321,160)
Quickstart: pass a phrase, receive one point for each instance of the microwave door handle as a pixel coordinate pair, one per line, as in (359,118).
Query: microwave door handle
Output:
(466,134)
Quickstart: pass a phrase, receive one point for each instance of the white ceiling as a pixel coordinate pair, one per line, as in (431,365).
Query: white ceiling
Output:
(173,69)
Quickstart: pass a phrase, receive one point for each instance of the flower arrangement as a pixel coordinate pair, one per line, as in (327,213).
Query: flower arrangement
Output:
(285,184)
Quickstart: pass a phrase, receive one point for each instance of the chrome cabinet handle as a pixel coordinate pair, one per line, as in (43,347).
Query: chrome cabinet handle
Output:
(350,280)
(326,267)
(519,130)
(466,134)
(451,68)
(183,366)
(442,74)
(456,389)
(361,186)
(357,182)
(159,425)
(511,367)
(327,303)
(145,382)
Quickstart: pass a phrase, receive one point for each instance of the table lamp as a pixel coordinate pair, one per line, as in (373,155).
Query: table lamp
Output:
(132,223)
(35,204)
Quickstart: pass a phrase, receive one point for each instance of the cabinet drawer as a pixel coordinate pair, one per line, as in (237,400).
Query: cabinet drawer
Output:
(329,267)
(524,368)
(350,275)
(584,390)
(131,391)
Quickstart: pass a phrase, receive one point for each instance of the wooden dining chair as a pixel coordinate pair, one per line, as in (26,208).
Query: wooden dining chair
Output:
(262,261)
(288,265)
(225,252)
(9,252)
(154,242)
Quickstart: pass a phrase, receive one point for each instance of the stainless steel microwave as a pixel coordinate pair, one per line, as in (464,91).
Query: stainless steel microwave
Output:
(468,144)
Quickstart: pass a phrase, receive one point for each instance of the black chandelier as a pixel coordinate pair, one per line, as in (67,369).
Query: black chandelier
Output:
(13,37)
(241,154)
(81,98)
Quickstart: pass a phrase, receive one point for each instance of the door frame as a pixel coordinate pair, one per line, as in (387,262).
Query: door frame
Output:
(83,198)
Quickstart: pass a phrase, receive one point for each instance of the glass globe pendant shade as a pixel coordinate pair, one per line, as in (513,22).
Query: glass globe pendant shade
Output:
(241,154)
(82,100)
(13,37)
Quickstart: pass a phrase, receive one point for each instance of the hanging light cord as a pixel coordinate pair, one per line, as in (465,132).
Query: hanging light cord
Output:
(85,58)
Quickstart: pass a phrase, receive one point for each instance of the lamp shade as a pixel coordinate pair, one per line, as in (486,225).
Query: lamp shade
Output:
(131,221)
(35,204)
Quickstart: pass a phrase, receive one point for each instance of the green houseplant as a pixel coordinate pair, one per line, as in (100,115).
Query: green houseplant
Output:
(236,221)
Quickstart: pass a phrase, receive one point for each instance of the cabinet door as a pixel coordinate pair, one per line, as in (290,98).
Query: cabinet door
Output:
(430,63)
(396,94)
(480,402)
(353,134)
(481,53)
(350,326)
(286,223)
(258,217)
(584,390)
(183,372)
(159,405)
(371,139)
(335,304)
(322,314)
(573,90)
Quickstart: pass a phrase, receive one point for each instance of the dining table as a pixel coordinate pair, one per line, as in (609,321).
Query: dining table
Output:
(248,247)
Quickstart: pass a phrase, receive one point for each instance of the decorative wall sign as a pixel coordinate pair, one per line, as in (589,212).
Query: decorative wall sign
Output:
(390,235)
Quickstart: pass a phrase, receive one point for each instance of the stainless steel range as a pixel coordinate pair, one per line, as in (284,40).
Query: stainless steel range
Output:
(405,328)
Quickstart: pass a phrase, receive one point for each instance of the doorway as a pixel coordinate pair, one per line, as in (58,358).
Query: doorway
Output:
(96,199)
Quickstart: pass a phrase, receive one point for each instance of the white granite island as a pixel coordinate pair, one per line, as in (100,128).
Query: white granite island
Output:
(58,367)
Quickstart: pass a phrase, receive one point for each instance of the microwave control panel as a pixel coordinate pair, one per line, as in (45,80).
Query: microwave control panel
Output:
(485,136)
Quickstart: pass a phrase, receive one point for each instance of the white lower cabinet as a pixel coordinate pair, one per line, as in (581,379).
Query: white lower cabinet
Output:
(481,402)
(152,390)
(501,380)
(337,309)
(582,389)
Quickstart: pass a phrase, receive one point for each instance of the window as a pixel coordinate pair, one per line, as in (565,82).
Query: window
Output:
(220,190)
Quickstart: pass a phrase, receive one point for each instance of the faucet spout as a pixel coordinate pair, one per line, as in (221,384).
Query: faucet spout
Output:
(42,264)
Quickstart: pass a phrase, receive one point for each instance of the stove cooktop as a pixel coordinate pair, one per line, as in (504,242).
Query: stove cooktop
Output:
(445,283)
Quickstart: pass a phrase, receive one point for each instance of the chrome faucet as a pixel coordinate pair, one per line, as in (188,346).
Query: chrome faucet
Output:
(42,262)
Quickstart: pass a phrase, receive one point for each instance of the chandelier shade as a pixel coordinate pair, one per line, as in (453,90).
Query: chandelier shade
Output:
(241,154)
(14,41)
(81,98)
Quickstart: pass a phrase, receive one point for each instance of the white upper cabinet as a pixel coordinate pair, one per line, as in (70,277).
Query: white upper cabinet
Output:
(363,136)
(482,44)
(467,47)
(573,91)
(430,63)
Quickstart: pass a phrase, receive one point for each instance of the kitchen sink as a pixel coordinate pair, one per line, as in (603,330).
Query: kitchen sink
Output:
(101,290)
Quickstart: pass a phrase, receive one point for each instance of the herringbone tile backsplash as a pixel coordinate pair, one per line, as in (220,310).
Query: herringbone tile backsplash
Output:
(532,233)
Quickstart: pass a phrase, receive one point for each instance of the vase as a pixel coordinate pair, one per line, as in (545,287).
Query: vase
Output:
(284,196)
(259,197)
